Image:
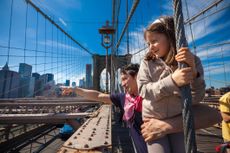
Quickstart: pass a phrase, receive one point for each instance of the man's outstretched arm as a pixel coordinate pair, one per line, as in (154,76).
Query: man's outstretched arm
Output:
(204,116)
(89,94)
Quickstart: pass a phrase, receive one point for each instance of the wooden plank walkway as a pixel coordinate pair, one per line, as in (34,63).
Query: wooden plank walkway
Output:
(208,139)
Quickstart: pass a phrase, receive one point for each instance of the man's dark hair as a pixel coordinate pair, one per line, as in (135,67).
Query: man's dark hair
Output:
(131,69)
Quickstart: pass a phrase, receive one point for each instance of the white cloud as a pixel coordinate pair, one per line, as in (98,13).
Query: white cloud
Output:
(202,29)
(62,21)
(60,45)
(194,7)
(205,26)
(214,51)
(56,13)
(216,68)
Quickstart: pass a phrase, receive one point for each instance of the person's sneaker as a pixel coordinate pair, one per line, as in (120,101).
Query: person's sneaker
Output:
(222,148)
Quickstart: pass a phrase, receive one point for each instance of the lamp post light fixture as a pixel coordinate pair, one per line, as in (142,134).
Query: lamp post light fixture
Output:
(106,36)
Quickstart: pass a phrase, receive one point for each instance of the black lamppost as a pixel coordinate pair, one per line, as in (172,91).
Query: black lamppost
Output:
(106,36)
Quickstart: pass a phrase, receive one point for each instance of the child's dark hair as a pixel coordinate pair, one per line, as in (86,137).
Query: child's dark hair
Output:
(131,69)
(164,25)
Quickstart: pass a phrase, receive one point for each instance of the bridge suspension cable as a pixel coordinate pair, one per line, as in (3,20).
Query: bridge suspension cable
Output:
(54,52)
(188,121)
(127,22)
(48,18)
(203,11)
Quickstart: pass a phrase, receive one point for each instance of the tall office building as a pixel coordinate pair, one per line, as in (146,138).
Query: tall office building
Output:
(47,83)
(67,82)
(25,70)
(82,83)
(88,76)
(50,77)
(37,85)
(26,80)
(9,83)
(27,85)
(36,76)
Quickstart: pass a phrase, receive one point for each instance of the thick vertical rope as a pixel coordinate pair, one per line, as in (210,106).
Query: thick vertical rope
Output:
(188,122)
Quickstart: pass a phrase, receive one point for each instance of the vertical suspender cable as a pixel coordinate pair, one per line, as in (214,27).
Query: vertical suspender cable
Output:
(117,23)
(8,51)
(188,122)
(71,60)
(127,30)
(134,6)
(190,26)
(25,39)
(68,59)
(57,52)
(62,49)
(36,50)
(45,49)
(10,28)
(52,49)
(209,75)
(112,80)
(24,57)
(225,79)
(66,64)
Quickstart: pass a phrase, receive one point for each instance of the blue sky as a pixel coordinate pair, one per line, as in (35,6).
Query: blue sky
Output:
(82,19)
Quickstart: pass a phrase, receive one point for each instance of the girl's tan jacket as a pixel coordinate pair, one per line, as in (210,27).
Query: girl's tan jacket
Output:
(161,96)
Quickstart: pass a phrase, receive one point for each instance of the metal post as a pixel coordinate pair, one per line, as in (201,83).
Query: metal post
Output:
(106,34)
(106,66)
(111,72)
